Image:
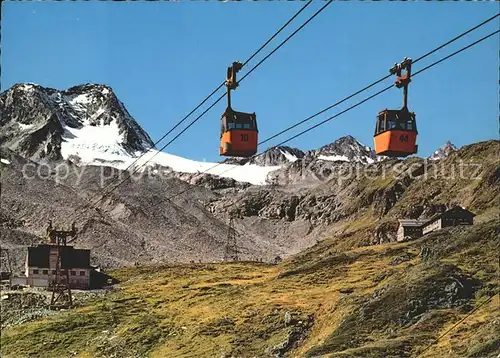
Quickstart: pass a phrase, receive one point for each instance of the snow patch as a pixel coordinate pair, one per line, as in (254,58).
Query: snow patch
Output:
(95,144)
(334,158)
(25,126)
(28,86)
(79,100)
(250,173)
(288,156)
(101,145)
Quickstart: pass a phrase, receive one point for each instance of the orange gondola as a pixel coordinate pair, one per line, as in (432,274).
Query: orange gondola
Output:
(396,129)
(239,133)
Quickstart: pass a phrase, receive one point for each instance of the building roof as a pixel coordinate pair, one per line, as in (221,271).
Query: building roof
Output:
(432,219)
(455,209)
(38,256)
(411,222)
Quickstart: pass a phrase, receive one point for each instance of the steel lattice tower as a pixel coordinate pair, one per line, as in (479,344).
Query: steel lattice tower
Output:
(61,291)
(231,249)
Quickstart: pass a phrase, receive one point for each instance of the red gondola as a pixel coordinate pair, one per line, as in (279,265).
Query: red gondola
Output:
(239,134)
(396,129)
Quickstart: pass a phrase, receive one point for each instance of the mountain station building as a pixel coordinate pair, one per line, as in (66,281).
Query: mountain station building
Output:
(412,229)
(41,261)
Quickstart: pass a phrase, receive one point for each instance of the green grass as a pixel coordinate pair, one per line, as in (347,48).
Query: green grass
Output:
(350,303)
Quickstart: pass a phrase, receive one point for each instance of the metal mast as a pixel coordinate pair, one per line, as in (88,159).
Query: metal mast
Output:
(231,249)
(61,291)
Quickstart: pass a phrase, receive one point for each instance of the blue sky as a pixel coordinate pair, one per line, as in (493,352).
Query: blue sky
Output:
(162,58)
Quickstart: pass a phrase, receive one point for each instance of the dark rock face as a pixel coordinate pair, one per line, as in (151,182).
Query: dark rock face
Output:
(274,156)
(33,118)
(346,149)
(278,156)
(296,335)
(323,164)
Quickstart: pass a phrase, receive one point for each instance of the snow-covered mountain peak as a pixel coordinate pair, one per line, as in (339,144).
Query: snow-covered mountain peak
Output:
(443,151)
(89,125)
(278,156)
(84,121)
(346,149)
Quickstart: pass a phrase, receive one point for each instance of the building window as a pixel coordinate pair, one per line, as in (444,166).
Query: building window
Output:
(45,272)
(82,273)
(73,273)
(35,272)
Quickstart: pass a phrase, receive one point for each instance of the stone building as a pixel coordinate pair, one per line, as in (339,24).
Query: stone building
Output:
(453,217)
(409,229)
(41,262)
(412,229)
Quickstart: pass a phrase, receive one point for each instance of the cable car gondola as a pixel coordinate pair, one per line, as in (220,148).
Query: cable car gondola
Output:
(239,134)
(396,129)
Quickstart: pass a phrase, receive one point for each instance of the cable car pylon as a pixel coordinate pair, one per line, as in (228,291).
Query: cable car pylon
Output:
(231,248)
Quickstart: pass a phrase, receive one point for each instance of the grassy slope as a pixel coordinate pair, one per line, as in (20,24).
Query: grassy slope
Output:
(354,304)
(369,301)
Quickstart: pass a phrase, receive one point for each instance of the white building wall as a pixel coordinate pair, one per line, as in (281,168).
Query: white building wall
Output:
(18,281)
(401,233)
(41,277)
(436,225)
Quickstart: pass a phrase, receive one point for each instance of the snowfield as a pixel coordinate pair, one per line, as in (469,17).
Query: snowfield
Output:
(103,146)
(334,158)
(288,156)
(250,173)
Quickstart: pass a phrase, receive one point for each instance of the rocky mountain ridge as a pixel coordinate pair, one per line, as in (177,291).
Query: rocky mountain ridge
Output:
(182,216)
(89,125)
(444,151)
(42,123)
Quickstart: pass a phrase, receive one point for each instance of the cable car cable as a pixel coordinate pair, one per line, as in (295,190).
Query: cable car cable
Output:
(277,33)
(456,38)
(346,110)
(220,98)
(387,88)
(378,81)
(286,40)
(458,323)
(314,115)
(218,88)
(248,73)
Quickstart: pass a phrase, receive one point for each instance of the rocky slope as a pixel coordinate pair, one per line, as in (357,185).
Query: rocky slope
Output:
(136,223)
(371,198)
(167,215)
(432,297)
(161,218)
(443,151)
